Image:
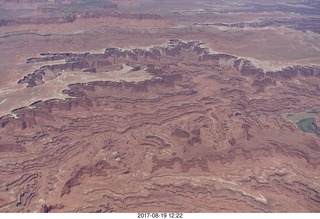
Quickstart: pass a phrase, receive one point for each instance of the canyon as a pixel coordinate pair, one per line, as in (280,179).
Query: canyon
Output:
(123,111)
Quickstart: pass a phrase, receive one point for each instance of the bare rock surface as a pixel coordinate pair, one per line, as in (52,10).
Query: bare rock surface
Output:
(159,106)
(204,134)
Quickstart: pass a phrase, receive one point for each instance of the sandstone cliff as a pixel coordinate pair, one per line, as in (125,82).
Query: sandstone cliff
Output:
(204,134)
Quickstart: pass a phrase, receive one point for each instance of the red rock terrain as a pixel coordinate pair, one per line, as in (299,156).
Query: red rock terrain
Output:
(204,134)
(101,112)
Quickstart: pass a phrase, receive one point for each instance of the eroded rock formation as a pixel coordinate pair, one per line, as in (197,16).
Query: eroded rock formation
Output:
(69,17)
(205,134)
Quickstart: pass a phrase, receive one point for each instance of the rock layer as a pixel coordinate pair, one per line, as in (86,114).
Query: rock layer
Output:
(205,134)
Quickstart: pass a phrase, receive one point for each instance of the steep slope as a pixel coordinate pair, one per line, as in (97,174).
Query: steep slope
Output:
(204,134)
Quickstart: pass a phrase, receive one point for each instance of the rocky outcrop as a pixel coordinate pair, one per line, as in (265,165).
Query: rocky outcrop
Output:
(248,69)
(180,133)
(200,130)
(47,209)
(99,169)
(37,77)
(34,79)
(262,84)
(93,62)
(292,72)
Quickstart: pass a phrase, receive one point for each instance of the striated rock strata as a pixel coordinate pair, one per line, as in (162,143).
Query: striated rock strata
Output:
(205,134)
(114,17)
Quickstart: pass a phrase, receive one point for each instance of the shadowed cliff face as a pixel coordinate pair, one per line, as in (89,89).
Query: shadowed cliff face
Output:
(204,134)
(105,62)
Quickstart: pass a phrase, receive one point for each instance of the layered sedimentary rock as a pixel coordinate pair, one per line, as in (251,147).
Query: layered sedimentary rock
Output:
(301,24)
(204,134)
(112,17)
(93,62)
